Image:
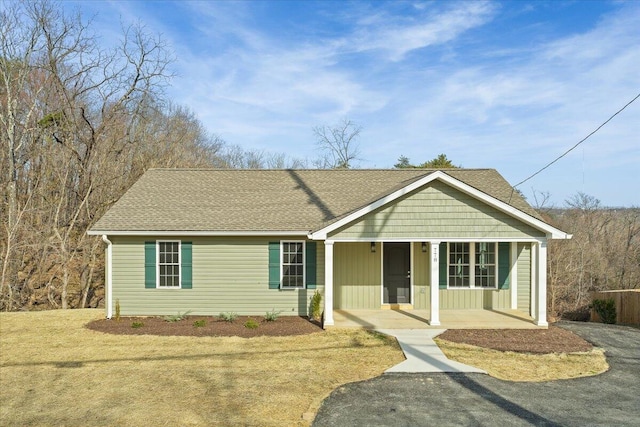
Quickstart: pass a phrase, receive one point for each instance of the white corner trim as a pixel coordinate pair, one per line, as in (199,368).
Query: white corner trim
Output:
(108,276)
(552,232)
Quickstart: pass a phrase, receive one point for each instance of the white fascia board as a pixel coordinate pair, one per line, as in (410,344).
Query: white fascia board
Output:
(196,233)
(439,239)
(551,232)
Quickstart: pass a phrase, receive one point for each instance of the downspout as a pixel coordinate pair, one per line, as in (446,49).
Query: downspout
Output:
(108,273)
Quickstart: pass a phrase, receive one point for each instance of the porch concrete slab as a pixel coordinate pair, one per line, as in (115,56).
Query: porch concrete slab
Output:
(419,319)
(422,354)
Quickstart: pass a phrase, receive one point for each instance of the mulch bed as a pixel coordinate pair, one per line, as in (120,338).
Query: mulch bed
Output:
(213,327)
(552,340)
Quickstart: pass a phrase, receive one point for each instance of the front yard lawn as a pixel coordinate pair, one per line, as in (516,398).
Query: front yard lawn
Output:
(54,371)
(524,354)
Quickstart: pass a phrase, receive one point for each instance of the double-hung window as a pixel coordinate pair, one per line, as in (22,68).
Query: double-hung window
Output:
(485,265)
(472,265)
(293,271)
(168,264)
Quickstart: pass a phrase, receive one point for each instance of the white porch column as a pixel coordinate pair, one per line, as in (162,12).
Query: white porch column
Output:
(513,275)
(541,288)
(533,287)
(434,318)
(328,283)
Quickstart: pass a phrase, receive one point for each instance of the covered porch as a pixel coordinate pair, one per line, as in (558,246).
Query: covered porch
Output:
(429,301)
(419,319)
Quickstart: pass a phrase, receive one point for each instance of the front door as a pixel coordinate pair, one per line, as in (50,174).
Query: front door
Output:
(397,273)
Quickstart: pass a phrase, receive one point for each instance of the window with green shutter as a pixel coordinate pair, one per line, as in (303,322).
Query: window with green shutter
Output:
(168,264)
(474,265)
(150,265)
(504,264)
(310,267)
(274,265)
(292,265)
(442,257)
(186,261)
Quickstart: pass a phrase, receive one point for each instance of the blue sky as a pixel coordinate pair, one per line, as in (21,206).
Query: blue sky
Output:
(505,85)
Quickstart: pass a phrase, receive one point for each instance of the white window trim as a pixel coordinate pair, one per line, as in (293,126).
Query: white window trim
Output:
(179,286)
(472,267)
(304,265)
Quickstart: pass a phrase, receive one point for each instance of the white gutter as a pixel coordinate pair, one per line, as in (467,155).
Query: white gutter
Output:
(108,274)
(197,233)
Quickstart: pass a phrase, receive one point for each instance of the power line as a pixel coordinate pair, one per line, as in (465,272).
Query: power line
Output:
(579,142)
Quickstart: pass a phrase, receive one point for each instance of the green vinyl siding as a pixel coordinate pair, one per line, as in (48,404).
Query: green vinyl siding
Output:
(436,211)
(475,299)
(524,277)
(228,274)
(421,277)
(356,276)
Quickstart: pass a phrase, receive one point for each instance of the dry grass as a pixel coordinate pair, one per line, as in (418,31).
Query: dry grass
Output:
(511,366)
(53,371)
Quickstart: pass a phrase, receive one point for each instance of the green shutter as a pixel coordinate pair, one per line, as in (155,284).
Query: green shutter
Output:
(310,265)
(274,265)
(150,265)
(186,265)
(504,249)
(443,265)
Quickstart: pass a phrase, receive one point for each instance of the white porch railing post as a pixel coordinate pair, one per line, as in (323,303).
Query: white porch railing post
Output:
(434,316)
(541,291)
(328,283)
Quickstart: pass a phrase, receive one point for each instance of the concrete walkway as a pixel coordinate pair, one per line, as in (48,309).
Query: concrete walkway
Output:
(422,353)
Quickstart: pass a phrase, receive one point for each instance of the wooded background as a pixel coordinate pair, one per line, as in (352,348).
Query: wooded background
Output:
(80,124)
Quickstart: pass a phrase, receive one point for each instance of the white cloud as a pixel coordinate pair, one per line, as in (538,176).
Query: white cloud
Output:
(513,106)
(397,37)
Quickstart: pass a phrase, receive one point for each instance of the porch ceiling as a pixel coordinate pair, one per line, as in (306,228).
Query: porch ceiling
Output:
(418,319)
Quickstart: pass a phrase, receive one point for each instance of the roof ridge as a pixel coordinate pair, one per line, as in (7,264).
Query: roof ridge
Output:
(319,170)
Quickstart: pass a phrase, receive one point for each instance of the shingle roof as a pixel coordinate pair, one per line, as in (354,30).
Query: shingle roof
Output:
(240,200)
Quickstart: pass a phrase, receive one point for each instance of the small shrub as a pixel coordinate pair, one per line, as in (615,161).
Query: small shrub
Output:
(228,316)
(606,309)
(117,310)
(199,323)
(176,317)
(136,325)
(251,324)
(315,305)
(272,315)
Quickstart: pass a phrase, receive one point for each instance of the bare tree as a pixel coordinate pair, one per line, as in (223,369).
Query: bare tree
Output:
(541,200)
(604,253)
(80,124)
(338,144)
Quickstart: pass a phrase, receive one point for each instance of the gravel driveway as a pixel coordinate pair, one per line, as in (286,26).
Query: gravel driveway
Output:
(609,399)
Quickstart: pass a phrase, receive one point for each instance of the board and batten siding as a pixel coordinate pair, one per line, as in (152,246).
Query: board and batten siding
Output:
(436,211)
(358,284)
(421,276)
(356,276)
(524,277)
(487,299)
(229,275)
